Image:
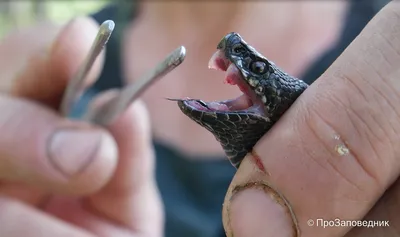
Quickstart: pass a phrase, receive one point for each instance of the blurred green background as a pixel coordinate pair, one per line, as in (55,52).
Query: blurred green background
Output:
(15,14)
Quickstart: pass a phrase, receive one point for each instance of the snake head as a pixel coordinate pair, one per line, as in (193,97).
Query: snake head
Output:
(268,92)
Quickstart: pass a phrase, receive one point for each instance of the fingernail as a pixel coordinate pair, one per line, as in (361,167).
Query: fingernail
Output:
(257,211)
(72,150)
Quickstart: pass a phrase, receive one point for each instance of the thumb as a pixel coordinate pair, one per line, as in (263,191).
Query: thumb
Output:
(40,148)
(334,153)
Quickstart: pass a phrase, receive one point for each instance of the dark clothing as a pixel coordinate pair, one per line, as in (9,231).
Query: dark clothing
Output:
(193,191)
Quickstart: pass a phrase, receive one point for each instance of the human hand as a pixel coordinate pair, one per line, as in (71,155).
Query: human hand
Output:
(334,153)
(61,177)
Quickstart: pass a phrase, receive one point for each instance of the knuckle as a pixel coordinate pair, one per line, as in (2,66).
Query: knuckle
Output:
(350,124)
(331,151)
(372,109)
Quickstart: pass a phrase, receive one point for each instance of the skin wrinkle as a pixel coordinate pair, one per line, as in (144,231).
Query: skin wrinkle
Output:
(90,208)
(379,139)
(134,187)
(393,46)
(310,152)
(112,224)
(380,77)
(304,142)
(330,150)
(362,92)
(396,132)
(393,126)
(22,87)
(386,100)
(128,191)
(355,152)
(317,160)
(394,13)
(384,55)
(373,117)
(396,17)
(366,170)
(367,51)
(7,120)
(366,82)
(352,114)
(44,201)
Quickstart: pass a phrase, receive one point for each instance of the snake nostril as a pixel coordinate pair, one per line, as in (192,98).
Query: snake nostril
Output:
(232,38)
(203,104)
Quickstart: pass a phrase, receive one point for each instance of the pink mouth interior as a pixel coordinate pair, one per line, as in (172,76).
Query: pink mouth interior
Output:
(247,101)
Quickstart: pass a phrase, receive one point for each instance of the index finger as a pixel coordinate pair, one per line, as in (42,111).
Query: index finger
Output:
(334,153)
(45,57)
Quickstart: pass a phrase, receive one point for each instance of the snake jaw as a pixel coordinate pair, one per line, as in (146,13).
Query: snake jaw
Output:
(247,102)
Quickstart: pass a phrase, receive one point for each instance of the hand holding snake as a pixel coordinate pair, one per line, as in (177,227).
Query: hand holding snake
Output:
(330,156)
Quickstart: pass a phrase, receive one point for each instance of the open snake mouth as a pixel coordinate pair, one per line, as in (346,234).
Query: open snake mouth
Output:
(248,102)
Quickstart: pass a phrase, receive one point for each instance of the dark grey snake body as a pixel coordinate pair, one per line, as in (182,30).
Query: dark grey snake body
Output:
(239,131)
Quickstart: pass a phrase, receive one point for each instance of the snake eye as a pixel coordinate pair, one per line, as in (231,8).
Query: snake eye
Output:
(238,49)
(258,67)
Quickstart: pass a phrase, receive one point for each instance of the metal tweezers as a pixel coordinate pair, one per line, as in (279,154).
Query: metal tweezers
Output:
(109,111)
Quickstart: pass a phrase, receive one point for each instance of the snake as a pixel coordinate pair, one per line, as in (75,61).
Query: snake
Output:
(267,93)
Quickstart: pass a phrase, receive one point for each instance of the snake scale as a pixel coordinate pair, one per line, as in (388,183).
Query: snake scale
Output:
(268,92)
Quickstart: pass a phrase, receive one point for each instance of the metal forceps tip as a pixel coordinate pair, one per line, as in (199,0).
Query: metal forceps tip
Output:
(111,110)
(76,84)
(104,114)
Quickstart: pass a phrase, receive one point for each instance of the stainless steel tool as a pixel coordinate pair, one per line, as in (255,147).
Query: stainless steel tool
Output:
(113,108)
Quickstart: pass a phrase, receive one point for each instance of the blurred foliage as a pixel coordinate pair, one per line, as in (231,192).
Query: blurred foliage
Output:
(22,13)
